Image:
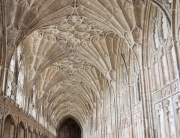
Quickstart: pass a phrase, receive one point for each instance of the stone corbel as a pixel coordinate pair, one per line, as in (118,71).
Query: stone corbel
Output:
(128,4)
(139,3)
(137,33)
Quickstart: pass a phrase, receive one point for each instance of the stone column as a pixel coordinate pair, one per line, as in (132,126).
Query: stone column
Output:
(12,131)
(1,121)
(99,115)
(1,124)
(0,77)
(4,81)
(93,121)
(175,32)
(17,135)
(21,132)
(26,133)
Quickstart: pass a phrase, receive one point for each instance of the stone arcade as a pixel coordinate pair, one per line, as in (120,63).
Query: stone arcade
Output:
(89,68)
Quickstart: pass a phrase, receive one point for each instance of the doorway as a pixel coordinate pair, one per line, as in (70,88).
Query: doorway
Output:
(69,129)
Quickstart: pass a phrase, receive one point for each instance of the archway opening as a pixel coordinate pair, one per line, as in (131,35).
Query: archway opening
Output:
(9,128)
(69,129)
(21,130)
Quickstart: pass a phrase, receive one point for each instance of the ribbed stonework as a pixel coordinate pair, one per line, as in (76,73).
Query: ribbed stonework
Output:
(111,66)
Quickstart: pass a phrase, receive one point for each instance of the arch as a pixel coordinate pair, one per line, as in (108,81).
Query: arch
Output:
(22,124)
(30,131)
(70,128)
(66,117)
(9,127)
(11,116)
(21,130)
(160,6)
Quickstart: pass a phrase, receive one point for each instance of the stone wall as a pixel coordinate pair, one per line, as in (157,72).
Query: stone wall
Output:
(15,123)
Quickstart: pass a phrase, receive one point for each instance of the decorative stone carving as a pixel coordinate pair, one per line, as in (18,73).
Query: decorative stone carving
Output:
(170,124)
(137,33)
(138,3)
(11,35)
(105,63)
(128,4)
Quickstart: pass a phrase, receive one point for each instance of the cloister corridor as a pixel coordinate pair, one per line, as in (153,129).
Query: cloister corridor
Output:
(89,68)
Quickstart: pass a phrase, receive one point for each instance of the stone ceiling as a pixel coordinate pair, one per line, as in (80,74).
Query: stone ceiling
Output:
(71,48)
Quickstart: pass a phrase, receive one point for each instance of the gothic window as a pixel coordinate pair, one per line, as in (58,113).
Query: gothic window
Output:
(20,96)
(10,84)
(160,29)
(136,91)
(135,79)
(155,32)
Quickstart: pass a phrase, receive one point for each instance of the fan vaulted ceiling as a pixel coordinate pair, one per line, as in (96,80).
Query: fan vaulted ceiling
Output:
(71,48)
